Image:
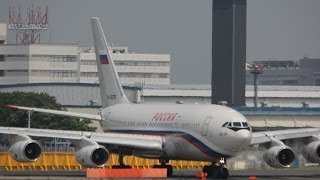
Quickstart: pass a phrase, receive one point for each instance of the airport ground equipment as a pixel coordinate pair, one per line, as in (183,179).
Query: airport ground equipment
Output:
(67,161)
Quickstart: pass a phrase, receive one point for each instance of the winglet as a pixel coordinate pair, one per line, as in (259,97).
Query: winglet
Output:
(111,91)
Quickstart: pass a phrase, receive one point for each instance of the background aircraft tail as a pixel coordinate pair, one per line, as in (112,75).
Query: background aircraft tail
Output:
(111,91)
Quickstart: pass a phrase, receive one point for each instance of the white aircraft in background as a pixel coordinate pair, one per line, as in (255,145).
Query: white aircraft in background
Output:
(162,131)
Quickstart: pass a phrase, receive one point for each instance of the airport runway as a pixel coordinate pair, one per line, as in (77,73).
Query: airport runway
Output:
(282,174)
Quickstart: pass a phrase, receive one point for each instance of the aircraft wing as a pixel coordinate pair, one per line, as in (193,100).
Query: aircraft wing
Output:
(57,112)
(120,139)
(148,142)
(265,136)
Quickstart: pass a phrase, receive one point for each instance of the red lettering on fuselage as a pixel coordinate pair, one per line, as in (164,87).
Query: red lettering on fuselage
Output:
(164,117)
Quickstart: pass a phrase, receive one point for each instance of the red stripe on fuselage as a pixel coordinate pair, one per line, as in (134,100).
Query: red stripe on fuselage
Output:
(182,135)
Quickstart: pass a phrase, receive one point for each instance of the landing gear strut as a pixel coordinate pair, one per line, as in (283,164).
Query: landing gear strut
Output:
(120,160)
(217,170)
(163,164)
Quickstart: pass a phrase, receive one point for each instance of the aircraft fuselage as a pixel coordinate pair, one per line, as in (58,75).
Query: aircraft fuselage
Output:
(190,132)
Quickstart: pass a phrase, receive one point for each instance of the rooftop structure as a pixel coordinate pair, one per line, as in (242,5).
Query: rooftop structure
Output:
(305,72)
(28,28)
(86,94)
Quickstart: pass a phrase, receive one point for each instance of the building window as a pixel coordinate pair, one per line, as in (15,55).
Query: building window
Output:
(89,74)
(2,58)
(88,62)
(17,70)
(317,82)
(290,82)
(60,58)
(1,72)
(62,73)
(17,55)
(142,63)
(316,74)
(38,72)
(163,75)
(143,75)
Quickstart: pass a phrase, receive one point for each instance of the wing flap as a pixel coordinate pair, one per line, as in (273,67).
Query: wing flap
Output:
(57,112)
(148,142)
(264,137)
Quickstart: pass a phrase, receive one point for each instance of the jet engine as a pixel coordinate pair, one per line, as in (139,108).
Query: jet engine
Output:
(93,156)
(312,152)
(279,156)
(25,151)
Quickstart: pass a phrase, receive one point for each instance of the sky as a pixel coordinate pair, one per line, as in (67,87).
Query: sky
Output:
(276,29)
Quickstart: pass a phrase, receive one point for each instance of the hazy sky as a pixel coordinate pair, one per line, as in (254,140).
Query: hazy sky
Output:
(276,29)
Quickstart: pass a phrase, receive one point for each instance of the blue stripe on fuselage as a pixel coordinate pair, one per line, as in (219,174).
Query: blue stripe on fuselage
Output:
(188,137)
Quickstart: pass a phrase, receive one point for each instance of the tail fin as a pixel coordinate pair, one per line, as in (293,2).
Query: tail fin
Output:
(111,91)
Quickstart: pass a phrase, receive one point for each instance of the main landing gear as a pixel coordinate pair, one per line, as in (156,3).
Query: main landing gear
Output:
(163,164)
(121,165)
(124,151)
(217,170)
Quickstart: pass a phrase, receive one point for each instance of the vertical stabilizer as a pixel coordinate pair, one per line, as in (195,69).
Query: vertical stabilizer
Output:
(111,91)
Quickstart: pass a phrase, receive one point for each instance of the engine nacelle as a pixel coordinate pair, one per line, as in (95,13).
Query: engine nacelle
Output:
(93,156)
(25,151)
(279,156)
(312,152)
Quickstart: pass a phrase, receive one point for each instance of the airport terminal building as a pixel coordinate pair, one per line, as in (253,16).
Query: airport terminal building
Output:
(50,63)
(279,105)
(70,63)
(88,94)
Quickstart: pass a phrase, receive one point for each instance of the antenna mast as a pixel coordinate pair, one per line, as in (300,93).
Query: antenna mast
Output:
(28,28)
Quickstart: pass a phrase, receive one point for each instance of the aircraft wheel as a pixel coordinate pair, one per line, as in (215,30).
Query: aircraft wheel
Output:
(216,172)
(169,170)
(224,173)
(206,169)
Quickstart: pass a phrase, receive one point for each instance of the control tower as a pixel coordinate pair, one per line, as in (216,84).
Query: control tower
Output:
(229,51)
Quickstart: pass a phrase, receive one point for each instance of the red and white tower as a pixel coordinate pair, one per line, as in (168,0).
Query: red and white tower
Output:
(28,28)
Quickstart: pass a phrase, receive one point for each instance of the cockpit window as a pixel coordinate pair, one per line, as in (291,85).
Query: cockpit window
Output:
(225,124)
(245,124)
(236,125)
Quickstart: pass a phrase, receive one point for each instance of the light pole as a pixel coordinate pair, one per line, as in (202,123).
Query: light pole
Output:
(29,118)
(256,69)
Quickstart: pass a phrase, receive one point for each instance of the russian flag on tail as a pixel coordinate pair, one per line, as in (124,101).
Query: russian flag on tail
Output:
(104,59)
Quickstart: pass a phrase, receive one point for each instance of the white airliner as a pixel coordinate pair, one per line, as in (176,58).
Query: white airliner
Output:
(165,132)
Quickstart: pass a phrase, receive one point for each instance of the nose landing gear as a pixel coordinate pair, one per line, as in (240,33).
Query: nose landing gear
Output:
(217,170)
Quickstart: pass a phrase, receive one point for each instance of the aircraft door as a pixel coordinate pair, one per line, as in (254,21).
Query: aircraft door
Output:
(205,126)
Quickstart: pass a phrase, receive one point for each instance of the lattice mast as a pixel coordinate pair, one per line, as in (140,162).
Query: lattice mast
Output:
(28,28)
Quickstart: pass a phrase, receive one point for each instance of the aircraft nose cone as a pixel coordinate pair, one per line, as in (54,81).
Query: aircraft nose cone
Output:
(244,137)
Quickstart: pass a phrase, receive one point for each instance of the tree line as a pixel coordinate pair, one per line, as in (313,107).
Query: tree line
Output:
(19,118)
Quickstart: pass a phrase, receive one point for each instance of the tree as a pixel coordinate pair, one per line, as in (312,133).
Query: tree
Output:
(12,118)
